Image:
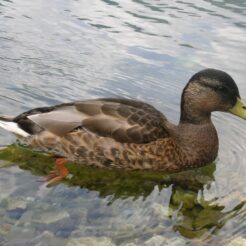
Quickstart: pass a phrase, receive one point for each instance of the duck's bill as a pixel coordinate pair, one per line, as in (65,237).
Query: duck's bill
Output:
(239,109)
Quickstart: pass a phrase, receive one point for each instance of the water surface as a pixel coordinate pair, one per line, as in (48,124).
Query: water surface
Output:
(58,51)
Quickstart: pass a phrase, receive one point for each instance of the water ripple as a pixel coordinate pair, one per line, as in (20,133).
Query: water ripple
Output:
(56,51)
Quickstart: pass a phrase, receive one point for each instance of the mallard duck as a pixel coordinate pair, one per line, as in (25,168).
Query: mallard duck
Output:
(130,134)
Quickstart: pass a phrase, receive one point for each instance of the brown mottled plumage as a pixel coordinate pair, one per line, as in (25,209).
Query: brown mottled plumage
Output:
(130,134)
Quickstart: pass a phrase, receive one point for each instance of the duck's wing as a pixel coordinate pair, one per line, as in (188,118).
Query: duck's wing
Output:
(121,119)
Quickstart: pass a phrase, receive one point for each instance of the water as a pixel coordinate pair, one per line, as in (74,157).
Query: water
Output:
(58,51)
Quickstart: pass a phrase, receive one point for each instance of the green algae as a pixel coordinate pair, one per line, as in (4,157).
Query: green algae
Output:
(196,216)
(116,182)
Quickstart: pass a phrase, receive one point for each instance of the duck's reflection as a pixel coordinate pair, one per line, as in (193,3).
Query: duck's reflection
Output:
(196,216)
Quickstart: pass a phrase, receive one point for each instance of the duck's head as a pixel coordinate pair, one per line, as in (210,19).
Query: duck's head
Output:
(207,91)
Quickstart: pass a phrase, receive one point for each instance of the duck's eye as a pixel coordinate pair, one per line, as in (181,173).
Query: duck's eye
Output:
(222,88)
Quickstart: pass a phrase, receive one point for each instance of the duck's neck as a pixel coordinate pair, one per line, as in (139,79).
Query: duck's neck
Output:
(195,118)
(193,114)
(194,110)
(199,142)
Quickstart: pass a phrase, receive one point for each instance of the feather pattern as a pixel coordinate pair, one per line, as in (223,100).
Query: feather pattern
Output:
(121,119)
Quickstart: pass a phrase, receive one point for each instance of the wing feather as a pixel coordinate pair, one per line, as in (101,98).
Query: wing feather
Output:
(122,119)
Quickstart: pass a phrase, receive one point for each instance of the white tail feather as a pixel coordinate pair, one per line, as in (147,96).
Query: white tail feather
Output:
(14,128)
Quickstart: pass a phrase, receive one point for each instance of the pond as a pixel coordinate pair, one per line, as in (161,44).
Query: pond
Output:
(59,51)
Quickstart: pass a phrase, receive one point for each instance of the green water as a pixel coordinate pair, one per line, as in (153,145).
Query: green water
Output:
(116,185)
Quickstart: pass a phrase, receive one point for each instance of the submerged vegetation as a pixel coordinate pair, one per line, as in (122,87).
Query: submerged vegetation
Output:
(196,216)
(116,182)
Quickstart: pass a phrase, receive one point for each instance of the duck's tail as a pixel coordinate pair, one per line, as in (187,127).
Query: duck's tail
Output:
(7,123)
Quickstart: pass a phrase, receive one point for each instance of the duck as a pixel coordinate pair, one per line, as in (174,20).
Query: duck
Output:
(131,134)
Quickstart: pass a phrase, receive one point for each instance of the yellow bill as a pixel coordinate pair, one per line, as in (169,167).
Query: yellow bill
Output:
(239,109)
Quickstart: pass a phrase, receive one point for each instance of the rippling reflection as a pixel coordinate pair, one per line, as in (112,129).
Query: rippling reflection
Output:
(56,51)
(166,203)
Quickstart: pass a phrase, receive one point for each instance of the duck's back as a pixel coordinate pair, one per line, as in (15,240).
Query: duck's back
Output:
(103,132)
(124,120)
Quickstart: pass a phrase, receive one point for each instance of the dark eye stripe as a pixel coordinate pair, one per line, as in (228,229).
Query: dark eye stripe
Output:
(214,87)
(222,88)
(207,85)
